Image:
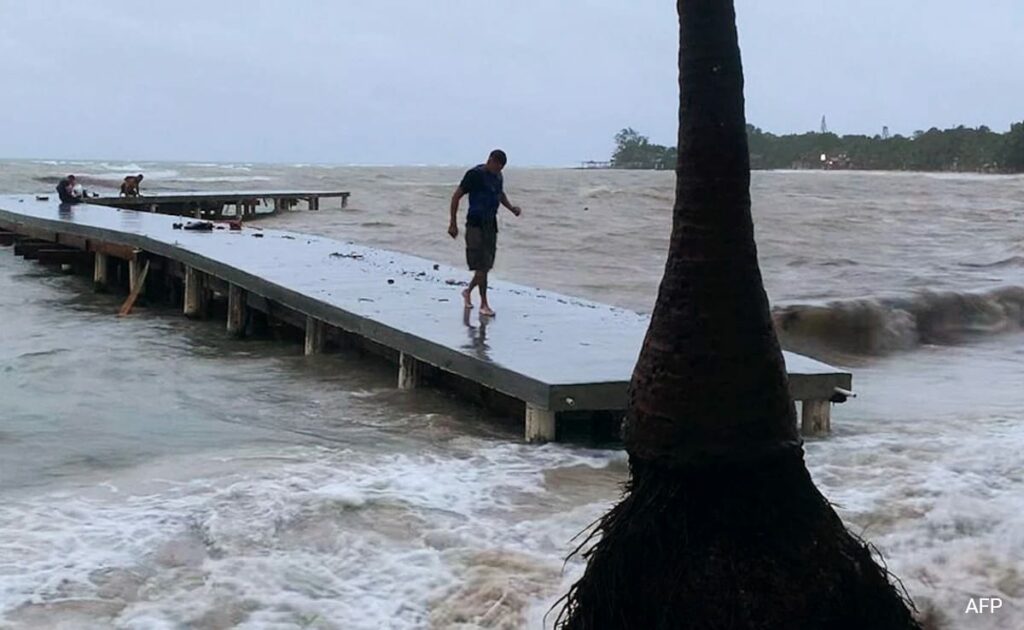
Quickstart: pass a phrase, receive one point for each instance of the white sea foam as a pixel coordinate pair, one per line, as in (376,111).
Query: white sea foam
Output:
(394,541)
(119,174)
(131,167)
(460,533)
(230,167)
(223,179)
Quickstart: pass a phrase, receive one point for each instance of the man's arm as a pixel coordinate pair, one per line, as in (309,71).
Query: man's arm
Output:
(453,225)
(516,210)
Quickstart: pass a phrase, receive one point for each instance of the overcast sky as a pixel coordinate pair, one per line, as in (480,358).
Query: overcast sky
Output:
(443,81)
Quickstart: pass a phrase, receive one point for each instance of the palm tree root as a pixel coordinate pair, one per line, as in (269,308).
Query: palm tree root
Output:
(730,546)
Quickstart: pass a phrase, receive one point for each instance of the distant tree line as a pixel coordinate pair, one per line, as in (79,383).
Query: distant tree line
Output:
(958,149)
(633,150)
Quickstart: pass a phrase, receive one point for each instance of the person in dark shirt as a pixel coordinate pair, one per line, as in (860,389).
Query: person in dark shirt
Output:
(66,190)
(130,186)
(485,187)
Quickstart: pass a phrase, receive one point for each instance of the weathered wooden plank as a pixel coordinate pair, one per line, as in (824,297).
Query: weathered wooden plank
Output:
(138,285)
(29,248)
(136,279)
(62,256)
(76,242)
(124,252)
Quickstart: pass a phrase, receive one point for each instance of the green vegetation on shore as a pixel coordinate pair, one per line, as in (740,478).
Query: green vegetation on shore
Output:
(958,149)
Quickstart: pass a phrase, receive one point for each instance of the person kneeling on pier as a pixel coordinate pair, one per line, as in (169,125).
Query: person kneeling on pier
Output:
(130,186)
(68,190)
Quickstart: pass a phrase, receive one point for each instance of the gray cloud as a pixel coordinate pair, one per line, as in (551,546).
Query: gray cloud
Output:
(394,81)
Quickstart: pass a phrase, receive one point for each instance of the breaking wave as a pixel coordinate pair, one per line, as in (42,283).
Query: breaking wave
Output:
(884,325)
(1012,261)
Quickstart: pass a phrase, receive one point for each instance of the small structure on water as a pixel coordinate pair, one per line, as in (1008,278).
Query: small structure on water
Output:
(225,204)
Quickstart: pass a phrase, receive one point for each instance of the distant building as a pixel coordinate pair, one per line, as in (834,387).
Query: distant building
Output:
(840,162)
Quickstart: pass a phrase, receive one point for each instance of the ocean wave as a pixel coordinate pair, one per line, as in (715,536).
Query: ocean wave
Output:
(166,176)
(225,179)
(440,534)
(111,177)
(1012,261)
(610,192)
(230,167)
(883,325)
(131,166)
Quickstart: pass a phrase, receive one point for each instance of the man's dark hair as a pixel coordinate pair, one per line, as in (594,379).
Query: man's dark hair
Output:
(498,156)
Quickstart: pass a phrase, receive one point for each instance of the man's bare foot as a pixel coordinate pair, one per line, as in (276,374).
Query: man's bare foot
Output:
(466,300)
(486,311)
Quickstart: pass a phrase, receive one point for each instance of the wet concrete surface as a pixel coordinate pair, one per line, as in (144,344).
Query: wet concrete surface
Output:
(542,347)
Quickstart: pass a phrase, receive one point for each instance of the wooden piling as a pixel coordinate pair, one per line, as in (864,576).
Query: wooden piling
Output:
(816,418)
(236,310)
(136,279)
(193,306)
(314,336)
(408,372)
(138,284)
(540,424)
(100,272)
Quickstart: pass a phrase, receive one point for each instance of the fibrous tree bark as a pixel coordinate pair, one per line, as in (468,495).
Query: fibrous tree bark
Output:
(720,525)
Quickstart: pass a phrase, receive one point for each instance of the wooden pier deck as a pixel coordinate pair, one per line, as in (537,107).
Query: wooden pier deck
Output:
(549,356)
(215,205)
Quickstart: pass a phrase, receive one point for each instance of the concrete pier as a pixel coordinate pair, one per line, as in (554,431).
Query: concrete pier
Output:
(551,357)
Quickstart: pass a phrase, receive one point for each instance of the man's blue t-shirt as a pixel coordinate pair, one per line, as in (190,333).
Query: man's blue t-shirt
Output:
(484,189)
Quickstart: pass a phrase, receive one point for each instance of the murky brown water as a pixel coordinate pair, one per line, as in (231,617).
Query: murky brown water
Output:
(155,474)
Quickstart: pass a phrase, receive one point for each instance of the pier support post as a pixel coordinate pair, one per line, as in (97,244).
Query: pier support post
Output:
(540,424)
(193,292)
(101,272)
(408,372)
(816,418)
(236,310)
(314,336)
(314,203)
(135,278)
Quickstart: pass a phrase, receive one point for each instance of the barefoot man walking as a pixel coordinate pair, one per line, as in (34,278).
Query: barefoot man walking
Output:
(485,187)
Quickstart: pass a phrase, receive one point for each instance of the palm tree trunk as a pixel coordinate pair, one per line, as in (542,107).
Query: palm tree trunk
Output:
(720,525)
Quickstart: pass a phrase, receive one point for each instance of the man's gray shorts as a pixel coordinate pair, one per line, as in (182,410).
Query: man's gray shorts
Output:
(481,244)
